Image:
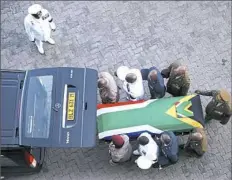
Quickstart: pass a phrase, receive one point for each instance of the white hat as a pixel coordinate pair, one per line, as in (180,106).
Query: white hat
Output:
(34,9)
(144,163)
(122,71)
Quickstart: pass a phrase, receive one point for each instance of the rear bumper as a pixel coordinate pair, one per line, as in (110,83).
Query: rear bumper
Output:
(21,167)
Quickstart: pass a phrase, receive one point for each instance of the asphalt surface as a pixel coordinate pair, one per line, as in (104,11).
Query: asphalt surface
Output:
(105,35)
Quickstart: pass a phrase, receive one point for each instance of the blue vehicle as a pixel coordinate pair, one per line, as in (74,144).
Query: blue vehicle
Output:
(49,107)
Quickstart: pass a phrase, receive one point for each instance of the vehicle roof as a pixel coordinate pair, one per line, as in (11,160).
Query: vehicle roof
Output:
(10,98)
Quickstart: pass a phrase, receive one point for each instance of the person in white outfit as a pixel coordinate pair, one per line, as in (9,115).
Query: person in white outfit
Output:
(147,148)
(132,82)
(38,25)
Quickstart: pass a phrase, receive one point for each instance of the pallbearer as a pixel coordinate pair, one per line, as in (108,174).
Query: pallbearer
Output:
(178,79)
(168,145)
(120,149)
(219,108)
(155,82)
(132,82)
(108,88)
(197,143)
(147,150)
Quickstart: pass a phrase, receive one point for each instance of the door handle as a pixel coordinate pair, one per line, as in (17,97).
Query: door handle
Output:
(86,105)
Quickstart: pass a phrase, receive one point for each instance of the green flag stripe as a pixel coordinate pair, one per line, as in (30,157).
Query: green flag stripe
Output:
(153,114)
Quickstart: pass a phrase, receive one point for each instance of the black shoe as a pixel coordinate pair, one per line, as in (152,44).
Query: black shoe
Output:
(156,165)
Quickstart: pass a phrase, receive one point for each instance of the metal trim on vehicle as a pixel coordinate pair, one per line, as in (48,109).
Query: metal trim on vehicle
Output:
(21,110)
(83,108)
(12,70)
(64,105)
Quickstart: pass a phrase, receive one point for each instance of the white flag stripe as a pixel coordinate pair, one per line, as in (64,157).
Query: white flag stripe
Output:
(133,129)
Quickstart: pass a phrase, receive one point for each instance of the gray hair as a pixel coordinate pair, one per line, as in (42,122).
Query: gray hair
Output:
(101,83)
(152,75)
(196,136)
(180,70)
(165,138)
(131,77)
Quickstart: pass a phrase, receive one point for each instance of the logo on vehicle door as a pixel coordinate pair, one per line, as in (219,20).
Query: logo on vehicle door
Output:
(67,137)
(57,105)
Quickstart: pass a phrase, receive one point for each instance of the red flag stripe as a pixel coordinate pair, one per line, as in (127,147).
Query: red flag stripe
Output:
(100,106)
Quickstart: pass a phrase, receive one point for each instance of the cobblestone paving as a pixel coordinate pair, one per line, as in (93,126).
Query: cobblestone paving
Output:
(104,35)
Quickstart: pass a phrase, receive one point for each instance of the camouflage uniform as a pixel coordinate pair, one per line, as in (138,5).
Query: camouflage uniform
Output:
(177,85)
(196,147)
(217,108)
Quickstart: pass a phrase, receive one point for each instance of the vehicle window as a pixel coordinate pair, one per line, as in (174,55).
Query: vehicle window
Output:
(38,106)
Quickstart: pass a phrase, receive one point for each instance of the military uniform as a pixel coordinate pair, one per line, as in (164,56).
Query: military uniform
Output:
(219,107)
(177,85)
(196,147)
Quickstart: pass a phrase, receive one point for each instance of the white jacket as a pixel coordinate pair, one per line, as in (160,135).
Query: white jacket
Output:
(136,89)
(151,150)
(39,29)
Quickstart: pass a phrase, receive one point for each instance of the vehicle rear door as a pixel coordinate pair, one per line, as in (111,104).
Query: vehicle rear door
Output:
(59,108)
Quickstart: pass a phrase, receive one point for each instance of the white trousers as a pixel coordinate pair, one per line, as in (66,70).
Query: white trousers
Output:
(39,43)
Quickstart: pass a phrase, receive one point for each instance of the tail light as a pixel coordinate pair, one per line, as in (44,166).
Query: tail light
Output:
(30,159)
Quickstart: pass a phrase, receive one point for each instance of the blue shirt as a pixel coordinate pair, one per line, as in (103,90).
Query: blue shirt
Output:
(157,88)
(168,154)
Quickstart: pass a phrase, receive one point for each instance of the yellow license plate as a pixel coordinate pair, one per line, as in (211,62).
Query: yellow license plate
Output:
(71,106)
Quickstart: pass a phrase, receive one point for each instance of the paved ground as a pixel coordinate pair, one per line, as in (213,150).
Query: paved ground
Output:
(104,35)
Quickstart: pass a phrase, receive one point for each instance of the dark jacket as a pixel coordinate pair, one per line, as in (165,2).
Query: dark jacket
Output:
(217,108)
(168,154)
(157,88)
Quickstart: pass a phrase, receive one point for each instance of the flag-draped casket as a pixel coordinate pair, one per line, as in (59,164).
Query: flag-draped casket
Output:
(177,114)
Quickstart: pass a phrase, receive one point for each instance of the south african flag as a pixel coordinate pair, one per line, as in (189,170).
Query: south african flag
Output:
(177,114)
